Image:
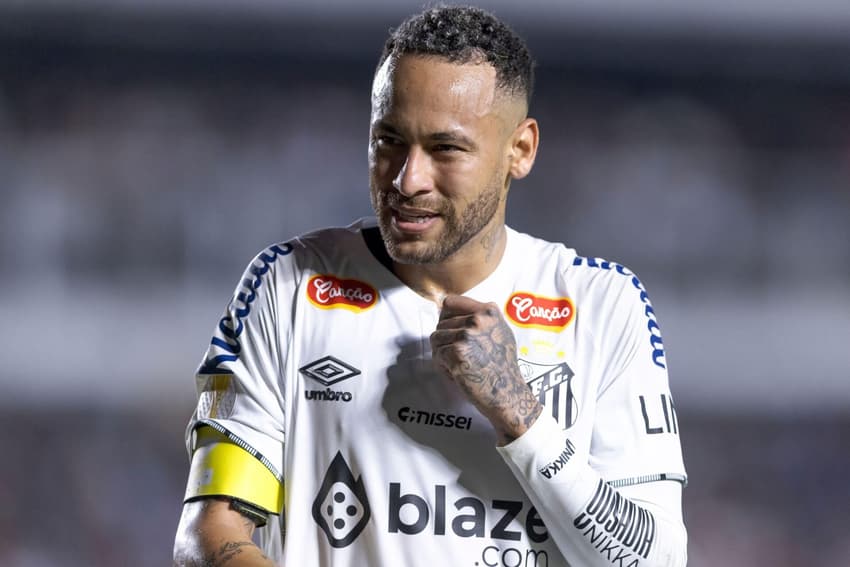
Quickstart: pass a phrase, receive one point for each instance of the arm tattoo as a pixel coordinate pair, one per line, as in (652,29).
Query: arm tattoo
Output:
(228,551)
(489,365)
(222,557)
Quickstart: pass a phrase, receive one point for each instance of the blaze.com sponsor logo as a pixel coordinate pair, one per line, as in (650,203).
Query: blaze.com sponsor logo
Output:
(341,509)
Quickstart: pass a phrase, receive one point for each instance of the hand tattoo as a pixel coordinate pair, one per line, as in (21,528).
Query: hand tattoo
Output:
(478,351)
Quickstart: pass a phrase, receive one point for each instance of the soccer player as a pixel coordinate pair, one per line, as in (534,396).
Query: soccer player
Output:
(432,387)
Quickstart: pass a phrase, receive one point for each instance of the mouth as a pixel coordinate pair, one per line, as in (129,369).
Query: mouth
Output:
(414,221)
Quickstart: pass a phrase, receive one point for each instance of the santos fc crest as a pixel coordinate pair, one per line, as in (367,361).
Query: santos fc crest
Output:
(552,385)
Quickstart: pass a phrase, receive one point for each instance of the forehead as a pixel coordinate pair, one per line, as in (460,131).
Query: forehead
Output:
(429,84)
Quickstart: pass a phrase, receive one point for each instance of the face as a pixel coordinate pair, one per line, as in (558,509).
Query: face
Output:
(438,156)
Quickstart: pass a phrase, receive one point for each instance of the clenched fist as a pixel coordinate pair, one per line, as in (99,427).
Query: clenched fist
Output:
(474,346)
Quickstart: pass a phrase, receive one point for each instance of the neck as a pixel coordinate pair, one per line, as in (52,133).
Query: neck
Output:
(458,273)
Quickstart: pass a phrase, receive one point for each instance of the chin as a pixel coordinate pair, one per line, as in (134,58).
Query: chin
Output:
(422,253)
(405,253)
(416,249)
(410,251)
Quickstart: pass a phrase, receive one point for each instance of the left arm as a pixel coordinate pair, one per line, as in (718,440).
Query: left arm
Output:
(592,522)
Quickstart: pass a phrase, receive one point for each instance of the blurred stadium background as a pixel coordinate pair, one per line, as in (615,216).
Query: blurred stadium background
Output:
(149,148)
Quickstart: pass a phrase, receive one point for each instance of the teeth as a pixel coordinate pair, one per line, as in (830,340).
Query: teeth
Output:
(408,218)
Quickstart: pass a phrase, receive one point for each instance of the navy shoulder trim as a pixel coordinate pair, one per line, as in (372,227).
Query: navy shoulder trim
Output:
(655,342)
(231,326)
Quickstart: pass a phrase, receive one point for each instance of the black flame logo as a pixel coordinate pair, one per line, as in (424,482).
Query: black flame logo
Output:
(341,508)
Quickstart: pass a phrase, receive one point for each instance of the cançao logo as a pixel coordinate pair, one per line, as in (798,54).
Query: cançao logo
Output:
(330,292)
(529,310)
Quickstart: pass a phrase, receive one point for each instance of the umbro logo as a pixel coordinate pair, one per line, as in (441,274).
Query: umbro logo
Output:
(329,370)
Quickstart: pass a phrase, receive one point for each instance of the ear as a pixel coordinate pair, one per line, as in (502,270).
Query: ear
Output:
(524,148)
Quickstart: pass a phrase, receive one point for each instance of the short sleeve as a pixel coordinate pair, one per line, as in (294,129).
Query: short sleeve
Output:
(239,380)
(635,438)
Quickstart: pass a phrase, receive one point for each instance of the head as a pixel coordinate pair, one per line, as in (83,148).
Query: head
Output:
(449,131)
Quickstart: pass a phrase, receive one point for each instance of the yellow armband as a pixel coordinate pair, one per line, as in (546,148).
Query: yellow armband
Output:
(220,467)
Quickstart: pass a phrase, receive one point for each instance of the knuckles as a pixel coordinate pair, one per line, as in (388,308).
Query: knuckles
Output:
(465,335)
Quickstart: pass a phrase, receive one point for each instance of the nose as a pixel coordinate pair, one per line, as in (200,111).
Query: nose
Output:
(414,176)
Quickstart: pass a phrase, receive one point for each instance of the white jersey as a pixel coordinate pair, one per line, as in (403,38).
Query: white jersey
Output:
(321,367)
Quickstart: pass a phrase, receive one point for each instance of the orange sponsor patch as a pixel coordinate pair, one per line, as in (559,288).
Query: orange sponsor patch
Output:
(549,314)
(330,292)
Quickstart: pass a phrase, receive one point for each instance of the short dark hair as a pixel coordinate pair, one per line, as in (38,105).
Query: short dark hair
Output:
(466,34)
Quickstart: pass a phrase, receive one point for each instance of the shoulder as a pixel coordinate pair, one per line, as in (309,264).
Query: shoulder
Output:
(606,286)
(332,244)
(580,272)
(321,247)
(336,235)
(556,256)
(620,304)
(527,249)
(605,274)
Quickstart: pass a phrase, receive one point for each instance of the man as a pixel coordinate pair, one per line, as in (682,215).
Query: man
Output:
(437,389)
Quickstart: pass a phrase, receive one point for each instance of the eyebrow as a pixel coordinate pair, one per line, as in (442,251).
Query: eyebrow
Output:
(452,137)
(448,136)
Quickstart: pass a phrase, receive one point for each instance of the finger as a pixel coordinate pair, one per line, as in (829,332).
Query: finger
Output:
(462,321)
(448,337)
(442,360)
(459,305)
(449,359)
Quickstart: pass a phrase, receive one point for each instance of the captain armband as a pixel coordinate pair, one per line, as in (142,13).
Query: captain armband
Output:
(220,467)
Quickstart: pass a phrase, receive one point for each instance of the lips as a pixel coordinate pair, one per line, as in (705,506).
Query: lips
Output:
(413,220)
(413,216)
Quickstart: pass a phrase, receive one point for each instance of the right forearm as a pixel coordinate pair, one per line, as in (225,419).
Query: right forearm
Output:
(211,534)
(225,554)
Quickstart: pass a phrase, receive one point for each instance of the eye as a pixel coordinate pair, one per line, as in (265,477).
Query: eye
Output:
(447,148)
(385,140)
